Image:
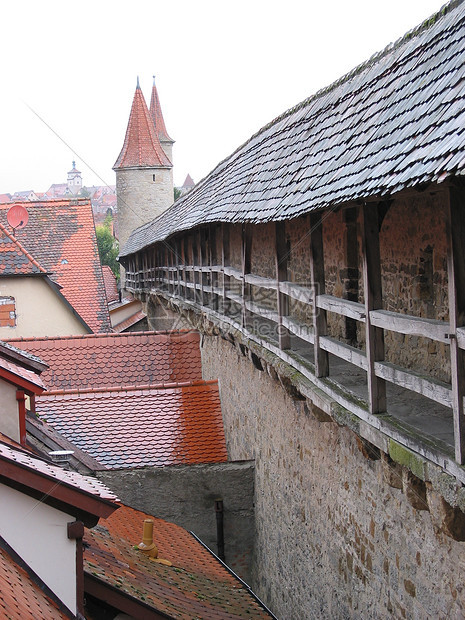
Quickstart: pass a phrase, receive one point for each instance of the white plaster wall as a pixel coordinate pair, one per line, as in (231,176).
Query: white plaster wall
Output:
(9,415)
(39,310)
(38,533)
(118,315)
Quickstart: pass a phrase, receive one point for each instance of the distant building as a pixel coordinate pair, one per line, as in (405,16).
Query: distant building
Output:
(74,180)
(186,186)
(51,280)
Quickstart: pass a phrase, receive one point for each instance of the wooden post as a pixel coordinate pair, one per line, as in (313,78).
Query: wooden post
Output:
(213,263)
(225,262)
(373,301)
(317,275)
(281,256)
(350,273)
(193,263)
(201,241)
(182,274)
(246,246)
(456,277)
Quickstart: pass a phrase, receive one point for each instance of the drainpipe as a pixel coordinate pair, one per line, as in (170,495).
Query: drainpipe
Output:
(21,398)
(76,532)
(219,528)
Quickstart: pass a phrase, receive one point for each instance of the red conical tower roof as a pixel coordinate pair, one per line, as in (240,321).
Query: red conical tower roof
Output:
(157,116)
(141,146)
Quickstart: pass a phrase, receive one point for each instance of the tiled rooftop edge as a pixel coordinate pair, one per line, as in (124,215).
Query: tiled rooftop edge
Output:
(133,388)
(103,335)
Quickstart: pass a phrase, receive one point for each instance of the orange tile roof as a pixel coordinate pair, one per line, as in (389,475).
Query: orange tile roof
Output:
(141,146)
(111,289)
(20,597)
(15,259)
(141,426)
(110,360)
(197,585)
(157,116)
(60,234)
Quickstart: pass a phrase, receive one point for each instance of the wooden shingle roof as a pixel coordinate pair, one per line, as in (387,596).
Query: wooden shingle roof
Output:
(396,121)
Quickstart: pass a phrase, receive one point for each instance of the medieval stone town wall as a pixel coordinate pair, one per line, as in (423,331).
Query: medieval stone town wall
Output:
(337,533)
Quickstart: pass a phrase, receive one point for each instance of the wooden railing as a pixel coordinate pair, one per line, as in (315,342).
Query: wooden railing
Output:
(186,269)
(167,279)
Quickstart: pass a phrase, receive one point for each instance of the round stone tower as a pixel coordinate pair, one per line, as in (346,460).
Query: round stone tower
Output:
(144,173)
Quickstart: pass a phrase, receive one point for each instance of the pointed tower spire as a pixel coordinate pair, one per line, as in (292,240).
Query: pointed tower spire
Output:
(144,173)
(159,123)
(141,146)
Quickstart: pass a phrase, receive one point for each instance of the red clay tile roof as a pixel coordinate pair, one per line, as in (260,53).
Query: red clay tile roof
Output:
(197,585)
(129,322)
(20,597)
(28,379)
(141,146)
(111,289)
(157,116)
(171,424)
(60,234)
(15,259)
(110,360)
(71,479)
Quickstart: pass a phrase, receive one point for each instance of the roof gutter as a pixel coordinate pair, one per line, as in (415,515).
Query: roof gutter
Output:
(121,600)
(246,586)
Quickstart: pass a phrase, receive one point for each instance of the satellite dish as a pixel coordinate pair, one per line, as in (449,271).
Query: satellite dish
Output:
(17,216)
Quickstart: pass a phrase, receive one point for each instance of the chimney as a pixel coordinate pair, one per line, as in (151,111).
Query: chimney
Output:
(148,547)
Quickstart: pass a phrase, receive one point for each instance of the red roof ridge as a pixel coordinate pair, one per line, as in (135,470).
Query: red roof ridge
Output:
(22,249)
(141,147)
(115,335)
(133,388)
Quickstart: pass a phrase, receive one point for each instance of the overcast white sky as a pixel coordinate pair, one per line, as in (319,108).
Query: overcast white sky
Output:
(224,69)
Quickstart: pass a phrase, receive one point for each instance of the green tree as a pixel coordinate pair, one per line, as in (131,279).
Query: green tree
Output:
(177,193)
(107,246)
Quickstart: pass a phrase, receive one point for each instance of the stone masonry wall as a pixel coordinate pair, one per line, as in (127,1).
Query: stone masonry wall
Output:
(140,198)
(337,533)
(186,495)
(414,258)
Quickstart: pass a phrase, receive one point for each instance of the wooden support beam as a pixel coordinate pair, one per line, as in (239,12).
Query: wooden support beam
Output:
(373,301)
(350,272)
(317,275)
(456,278)
(202,255)
(182,249)
(246,247)
(281,258)
(213,261)
(225,262)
